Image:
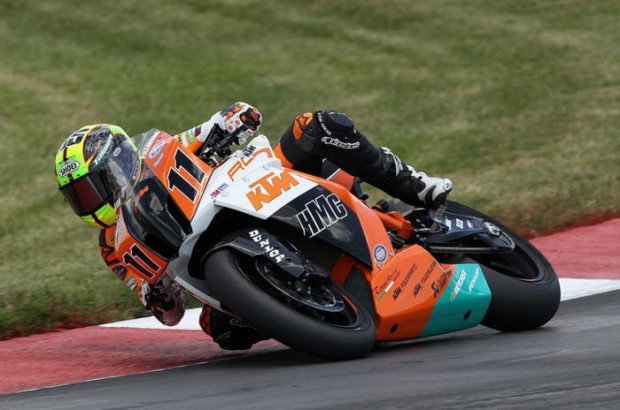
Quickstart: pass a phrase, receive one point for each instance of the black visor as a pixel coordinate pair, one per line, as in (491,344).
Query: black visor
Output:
(88,193)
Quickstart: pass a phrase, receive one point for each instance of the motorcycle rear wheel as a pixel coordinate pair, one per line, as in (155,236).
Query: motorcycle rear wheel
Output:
(524,286)
(233,279)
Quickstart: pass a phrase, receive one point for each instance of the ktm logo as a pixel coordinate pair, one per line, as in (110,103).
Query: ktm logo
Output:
(269,188)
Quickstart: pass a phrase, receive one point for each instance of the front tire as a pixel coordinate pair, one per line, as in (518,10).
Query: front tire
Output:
(230,277)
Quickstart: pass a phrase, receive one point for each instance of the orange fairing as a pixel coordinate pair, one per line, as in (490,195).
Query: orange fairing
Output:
(405,291)
(279,154)
(184,175)
(395,221)
(343,178)
(135,256)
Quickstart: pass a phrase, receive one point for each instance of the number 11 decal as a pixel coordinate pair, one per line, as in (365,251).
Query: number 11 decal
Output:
(178,181)
(141,262)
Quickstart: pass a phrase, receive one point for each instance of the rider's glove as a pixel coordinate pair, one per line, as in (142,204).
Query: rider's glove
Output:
(241,119)
(228,332)
(165,300)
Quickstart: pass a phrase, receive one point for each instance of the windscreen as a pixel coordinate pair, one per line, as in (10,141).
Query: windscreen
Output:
(123,168)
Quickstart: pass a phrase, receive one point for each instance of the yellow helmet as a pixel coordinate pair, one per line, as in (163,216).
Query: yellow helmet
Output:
(81,172)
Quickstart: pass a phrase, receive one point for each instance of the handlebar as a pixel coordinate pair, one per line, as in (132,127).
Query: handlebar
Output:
(220,145)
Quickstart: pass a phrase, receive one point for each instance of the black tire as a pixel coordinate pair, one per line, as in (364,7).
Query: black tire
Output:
(239,294)
(524,286)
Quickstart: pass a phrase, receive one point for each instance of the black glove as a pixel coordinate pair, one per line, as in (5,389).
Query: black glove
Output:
(229,332)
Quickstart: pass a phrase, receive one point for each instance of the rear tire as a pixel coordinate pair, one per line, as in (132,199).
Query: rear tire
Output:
(524,286)
(229,278)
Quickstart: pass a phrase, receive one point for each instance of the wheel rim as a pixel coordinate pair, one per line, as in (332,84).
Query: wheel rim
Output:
(305,290)
(343,314)
(518,264)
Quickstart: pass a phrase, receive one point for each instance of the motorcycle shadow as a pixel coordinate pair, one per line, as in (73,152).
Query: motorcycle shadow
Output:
(465,339)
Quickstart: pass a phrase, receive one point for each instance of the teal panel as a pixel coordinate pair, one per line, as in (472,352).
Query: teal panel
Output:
(463,304)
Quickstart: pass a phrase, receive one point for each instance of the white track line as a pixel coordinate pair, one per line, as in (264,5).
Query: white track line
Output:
(571,289)
(579,288)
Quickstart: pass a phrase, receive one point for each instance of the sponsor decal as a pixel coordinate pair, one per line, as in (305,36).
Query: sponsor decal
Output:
(458,285)
(249,150)
(399,290)
(270,251)
(469,224)
(418,287)
(441,282)
(392,278)
(325,129)
(449,223)
(73,139)
(147,145)
(492,229)
(380,288)
(340,144)
(474,279)
(240,323)
(156,149)
(68,167)
(120,228)
(120,271)
(321,213)
(380,253)
(116,151)
(243,162)
(218,190)
(103,151)
(131,283)
(158,161)
(270,187)
(459,223)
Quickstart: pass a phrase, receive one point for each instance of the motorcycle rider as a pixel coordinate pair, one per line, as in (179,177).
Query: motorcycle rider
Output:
(318,143)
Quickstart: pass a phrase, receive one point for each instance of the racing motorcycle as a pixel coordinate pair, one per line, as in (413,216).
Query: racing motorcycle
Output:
(307,261)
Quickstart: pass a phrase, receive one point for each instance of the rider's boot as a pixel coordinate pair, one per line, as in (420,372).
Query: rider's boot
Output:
(402,181)
(166,301)
(227,331)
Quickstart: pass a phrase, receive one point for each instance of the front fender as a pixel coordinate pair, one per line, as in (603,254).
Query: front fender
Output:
(257,243)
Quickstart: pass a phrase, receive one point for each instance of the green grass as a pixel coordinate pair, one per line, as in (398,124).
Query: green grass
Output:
(517,102)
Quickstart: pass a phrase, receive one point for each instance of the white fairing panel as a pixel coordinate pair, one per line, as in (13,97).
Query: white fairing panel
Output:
(251,181)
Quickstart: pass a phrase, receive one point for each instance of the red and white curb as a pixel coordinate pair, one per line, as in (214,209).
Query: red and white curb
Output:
(587,260)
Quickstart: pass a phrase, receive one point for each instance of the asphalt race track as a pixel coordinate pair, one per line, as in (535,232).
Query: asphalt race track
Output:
(573,362)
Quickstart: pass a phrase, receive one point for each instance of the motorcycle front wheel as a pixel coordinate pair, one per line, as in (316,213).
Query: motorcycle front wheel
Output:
(316,316)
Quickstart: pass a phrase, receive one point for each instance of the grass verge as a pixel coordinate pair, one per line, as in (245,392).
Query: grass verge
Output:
(517,102)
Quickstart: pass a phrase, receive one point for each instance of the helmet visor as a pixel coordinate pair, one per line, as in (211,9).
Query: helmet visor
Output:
(87,194)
